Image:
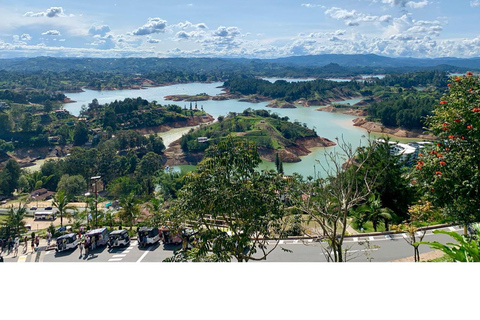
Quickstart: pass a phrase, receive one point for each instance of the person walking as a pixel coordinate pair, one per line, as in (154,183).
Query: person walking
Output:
(33,244)
(37,241)
(87,246)
(10,245)
(80,246)
(15,247)
(49,238)
(25,244)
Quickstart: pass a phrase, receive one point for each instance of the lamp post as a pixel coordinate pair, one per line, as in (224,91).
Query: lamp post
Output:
(96,178)
(88,194)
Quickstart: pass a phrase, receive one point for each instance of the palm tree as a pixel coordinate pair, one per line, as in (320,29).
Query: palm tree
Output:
(130,209)
(373,211)
(60,201)
(155,208)
(15,218)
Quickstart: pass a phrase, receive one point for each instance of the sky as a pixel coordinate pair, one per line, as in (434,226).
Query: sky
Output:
(243,28)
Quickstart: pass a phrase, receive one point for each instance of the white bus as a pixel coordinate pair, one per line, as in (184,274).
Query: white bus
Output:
(45,215)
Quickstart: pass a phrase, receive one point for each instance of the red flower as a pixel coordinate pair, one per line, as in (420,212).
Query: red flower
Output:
(469,127)
(448,85)
(418,167)
(443,102)
(445,124)
(470,89)
(440,155)
(421,163)
(439,144)
(463,138)
(438,173)
(420,154)
(442,163)
(457,79)
(476,109)
(469,73)
(433,152)
(447,149)
(451,137)
(445,129)
(457,120)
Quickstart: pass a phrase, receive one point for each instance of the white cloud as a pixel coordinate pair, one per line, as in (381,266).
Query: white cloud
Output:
(50,13)
(51,33)
(25,37)
(417,5)
(151,40)
(406,28)
(354,18)
(475,3)
(310,5)
(226,32)
(99,30)
(153,25)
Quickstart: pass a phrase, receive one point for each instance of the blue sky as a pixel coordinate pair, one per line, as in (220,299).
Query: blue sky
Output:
(260,28)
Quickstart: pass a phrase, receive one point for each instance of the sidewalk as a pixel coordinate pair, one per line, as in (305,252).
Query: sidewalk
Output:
(42,244)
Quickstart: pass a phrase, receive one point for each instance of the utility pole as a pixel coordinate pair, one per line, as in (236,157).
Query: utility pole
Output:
(96,178)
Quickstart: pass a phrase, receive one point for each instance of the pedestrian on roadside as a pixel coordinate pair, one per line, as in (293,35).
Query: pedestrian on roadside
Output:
(49,237)
(33,244)
(25,244)
(87,246)
(37,241)
(15,247)
(10,244)
(81,248)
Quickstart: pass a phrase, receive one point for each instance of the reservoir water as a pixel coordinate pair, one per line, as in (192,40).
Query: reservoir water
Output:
(328,125)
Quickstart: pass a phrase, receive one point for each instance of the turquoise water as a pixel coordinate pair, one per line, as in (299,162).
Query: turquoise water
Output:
(328,125)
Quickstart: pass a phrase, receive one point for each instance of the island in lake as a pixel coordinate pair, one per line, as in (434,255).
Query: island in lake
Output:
(272,134)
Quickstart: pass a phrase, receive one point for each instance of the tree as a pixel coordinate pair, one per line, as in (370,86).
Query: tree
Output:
(449,172)
(327,201)
(374,212)
(278,163)
(80,134)
(72,185)
(392,185)
(465,250)
(130,209)
(9,177)
(15,218)
(60,201)
(233,208)
(420,213)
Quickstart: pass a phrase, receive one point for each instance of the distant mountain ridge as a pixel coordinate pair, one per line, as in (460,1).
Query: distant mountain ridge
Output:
(373,60)
(335,63)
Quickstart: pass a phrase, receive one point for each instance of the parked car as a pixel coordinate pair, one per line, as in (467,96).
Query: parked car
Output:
(33,208)
(48,208)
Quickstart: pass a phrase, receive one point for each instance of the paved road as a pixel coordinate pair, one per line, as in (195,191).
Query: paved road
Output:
(382,249)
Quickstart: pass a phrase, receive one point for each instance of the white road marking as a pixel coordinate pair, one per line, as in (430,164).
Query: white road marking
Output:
(451,228)
(118,259)
(143,255)
(126,251)
(371,238)
(119,256)
(404,235)
(281,242)
(355,239)
(22,259)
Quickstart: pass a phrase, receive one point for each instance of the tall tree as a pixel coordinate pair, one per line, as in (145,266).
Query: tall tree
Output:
(449,172)
(15,218)
(60,201)
(130,209)
(328,201)
(234,208)
(80,134)
(9,177)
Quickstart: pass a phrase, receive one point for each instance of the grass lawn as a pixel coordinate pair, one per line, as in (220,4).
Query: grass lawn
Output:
(368,227)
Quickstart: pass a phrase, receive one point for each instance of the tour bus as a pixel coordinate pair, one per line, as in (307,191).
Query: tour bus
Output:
(118,238)
(148,235)
(98,237)
(46,215)
(67,242)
